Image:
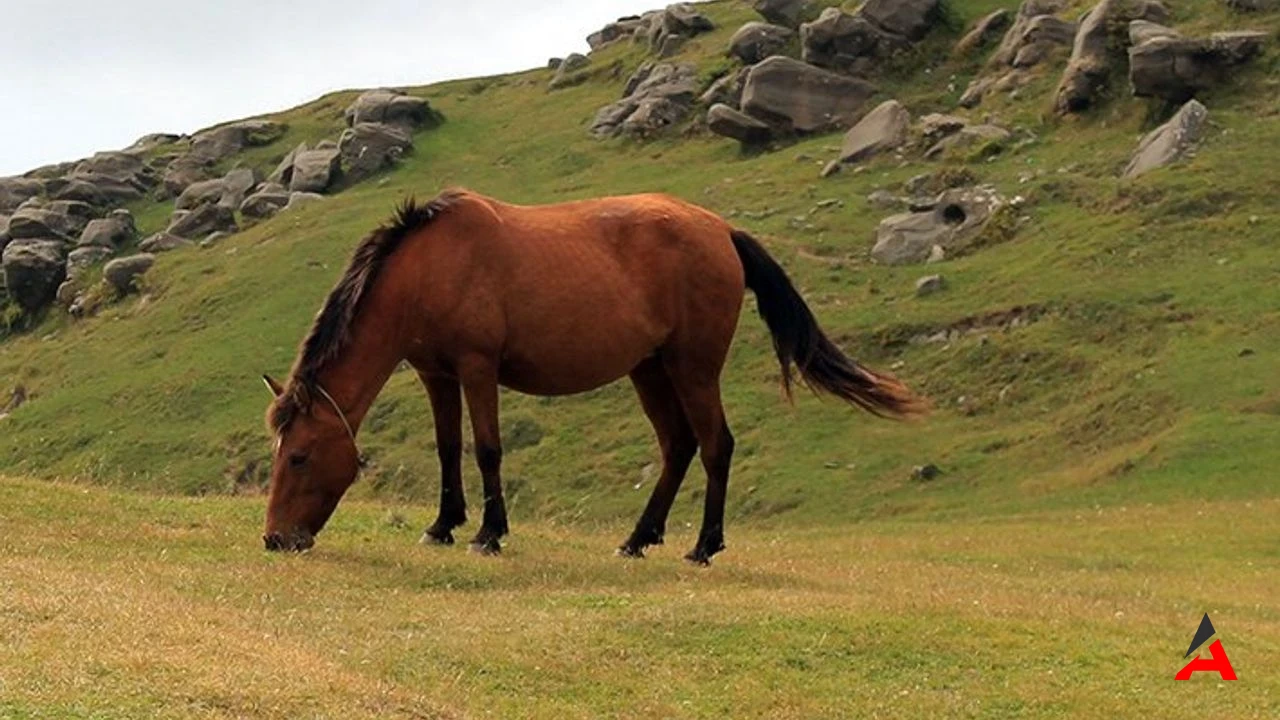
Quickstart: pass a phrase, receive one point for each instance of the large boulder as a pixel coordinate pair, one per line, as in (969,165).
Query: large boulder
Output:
(33,270)
(726,90)
(620,29)
(668,29)
(182,172)
(1035,35)
(16,190)
(227,140)
(82,258)
(572,71)
(756,41)
(110,232)
(202,221)
(724,120)
(787,13)
(792,96)
(1171,141)
(123,273)
(117,177)
(1093,55)
(954,220)
(984,32)
(911,19)
(60,219)
(986,138)
(283,174)
(1167,66)
(369,148)
(315,170)
(236,185)
(656,96)
(391,107)
(857,42)
(268,200)
(884,128)
(200,193)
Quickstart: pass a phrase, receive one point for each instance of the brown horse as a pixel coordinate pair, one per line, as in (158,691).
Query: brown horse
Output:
(552,300)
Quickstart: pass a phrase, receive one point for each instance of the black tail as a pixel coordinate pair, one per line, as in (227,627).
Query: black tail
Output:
(798,339)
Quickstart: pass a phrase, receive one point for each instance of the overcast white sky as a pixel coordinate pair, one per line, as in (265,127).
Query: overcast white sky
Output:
(78,76)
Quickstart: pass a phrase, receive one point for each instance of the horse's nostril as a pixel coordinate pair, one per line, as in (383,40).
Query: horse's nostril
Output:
(274,542)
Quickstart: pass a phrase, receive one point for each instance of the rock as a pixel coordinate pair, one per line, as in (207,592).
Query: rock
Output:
(792,96)
(214,238)
(555,63)
(66,293)
(202,221)
(283,174)
(182,172)
(726,90)
(200,193)
(16,190)
(109,179)
(1175,68)
(81,258)
(911,19)
(1142,31)
(110,232)
(1251,5)
(122,273)
(1034,35)
(681,21)
(165,241)
(236,185)
(392,107)
(1170,141)
(1016,38)
(1092,59)
(314,171)
(936,126)
(848,43)
(62,219)
(657,95)
(930,284)
(1042,35)
(991,137)
(787,13)
(885,200)
(724,120)
(925,473)
(369,148)
(622,28)
(884,128)
(957,217)
(302,199)
(33,270)
(227,140)
(267,201)
(4,231)
(984,32)
(571,72)
(756,41)
(150,142)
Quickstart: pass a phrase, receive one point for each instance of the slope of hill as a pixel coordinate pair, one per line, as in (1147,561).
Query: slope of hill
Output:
(1116,349)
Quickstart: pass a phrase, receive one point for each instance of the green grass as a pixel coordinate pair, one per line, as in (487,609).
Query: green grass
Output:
(1127,387)
(122,605)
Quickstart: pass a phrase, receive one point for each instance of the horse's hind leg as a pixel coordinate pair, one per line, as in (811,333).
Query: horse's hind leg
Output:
(700,395)
(446,406)
(678,445)
(480,385)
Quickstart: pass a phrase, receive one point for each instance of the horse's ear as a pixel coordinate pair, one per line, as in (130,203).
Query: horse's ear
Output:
(273,386)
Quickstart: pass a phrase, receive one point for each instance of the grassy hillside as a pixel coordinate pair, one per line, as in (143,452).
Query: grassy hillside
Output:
(1140,370)
(120,605)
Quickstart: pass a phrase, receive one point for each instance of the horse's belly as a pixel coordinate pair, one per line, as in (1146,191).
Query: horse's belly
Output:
(577,360)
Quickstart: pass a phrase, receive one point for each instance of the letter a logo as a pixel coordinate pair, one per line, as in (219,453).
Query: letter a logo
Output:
(1217,662)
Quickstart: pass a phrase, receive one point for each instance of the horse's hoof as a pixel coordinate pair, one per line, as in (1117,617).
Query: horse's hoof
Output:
(430,538)
(629,553)
(488,548)
(698,557)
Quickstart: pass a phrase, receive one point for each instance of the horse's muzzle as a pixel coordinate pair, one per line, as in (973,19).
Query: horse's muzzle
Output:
(296,541)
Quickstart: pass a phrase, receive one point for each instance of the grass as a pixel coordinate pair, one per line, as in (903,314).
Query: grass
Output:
(129,605)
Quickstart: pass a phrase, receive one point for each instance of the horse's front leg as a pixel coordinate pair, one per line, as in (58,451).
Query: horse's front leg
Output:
(446,406)
(480,384)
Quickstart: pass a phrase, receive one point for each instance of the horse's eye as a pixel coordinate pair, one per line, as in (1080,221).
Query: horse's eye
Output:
(297,460)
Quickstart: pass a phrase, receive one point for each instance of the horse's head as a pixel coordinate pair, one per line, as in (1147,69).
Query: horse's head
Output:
(314,462)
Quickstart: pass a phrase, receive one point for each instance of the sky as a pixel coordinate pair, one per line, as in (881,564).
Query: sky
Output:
(79,76)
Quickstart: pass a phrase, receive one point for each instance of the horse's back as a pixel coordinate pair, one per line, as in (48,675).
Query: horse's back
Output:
(588,289)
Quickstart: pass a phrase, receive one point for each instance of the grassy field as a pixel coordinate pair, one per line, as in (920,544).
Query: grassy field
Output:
(122,605)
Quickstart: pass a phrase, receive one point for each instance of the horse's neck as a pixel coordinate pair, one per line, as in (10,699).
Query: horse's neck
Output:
(358,373)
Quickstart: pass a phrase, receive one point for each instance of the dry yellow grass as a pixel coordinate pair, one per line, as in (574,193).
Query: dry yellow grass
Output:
(124,605)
